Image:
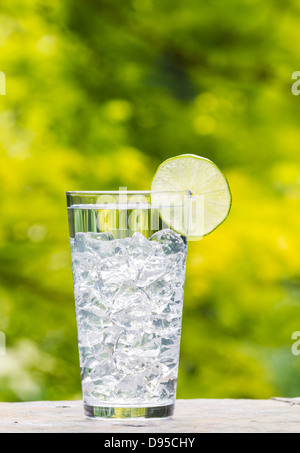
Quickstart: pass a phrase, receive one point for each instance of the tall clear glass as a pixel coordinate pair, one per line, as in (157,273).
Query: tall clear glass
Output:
(128,259)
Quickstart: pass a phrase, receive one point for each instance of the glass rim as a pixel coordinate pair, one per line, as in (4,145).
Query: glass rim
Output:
(130,192)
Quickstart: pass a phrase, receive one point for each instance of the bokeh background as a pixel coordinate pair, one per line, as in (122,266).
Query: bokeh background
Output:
(99,93)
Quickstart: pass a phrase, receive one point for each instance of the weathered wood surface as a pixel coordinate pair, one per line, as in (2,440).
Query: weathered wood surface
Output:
(277,415)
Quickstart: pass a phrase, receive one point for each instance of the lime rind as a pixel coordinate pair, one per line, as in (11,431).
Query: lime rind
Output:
(209,189)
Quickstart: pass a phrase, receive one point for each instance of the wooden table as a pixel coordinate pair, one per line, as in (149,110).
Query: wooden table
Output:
(277,415)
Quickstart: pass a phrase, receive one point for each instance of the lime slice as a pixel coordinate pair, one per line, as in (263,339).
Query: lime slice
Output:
(210,198)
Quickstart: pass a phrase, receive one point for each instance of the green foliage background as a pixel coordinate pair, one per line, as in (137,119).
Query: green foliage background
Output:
(99,93)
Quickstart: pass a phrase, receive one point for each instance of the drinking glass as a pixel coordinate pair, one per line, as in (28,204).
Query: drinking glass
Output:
(128,253)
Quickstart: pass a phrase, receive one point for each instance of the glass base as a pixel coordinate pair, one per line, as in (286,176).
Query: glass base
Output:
(128,412)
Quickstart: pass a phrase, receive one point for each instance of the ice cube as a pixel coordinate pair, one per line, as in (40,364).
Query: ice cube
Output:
(106,236)
(170,241)
(129,299)
(131,387)
(91,242)
(153,268)
(139,249)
